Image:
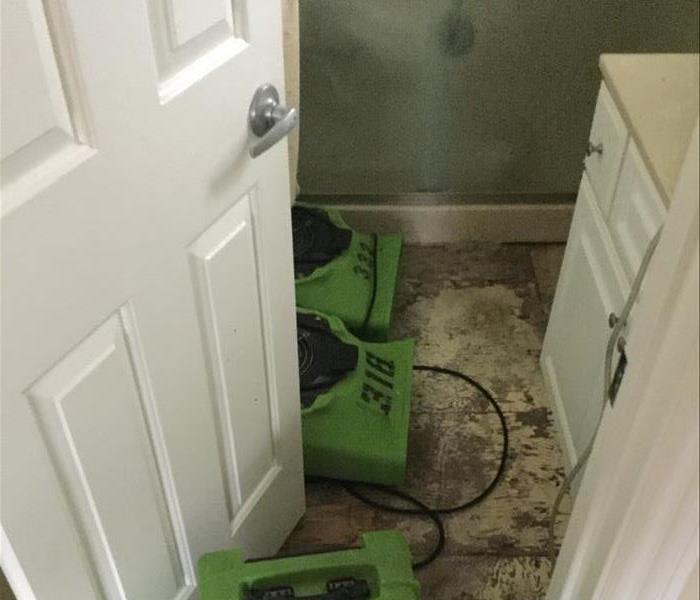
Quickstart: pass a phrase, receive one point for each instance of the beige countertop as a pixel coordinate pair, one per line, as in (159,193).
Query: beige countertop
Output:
(657,95)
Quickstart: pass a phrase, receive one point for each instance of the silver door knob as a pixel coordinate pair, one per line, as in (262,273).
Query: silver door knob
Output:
(268,120)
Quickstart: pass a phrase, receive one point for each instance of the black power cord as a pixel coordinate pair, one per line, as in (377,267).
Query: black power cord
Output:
(421,508)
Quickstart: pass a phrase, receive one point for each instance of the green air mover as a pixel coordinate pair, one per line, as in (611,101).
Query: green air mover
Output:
(336,273)
(355,399)
(379,570)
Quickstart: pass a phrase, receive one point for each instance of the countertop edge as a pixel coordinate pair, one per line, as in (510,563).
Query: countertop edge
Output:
(665,188)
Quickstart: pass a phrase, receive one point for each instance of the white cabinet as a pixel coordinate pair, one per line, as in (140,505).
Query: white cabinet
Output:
(618,211)
(591,286)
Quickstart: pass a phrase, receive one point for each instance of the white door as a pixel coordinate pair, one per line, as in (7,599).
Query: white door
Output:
(150,407)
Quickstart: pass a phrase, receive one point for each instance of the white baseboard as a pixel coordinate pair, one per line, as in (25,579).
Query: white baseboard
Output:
(445,223)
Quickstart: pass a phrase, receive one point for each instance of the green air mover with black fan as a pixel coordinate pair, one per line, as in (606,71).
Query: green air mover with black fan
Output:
(356,399)
(380,569)
(344,273)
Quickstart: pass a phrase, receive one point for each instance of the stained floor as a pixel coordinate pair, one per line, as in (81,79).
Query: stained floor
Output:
(480,308)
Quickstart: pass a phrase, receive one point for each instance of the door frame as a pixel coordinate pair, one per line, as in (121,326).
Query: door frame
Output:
(633,532)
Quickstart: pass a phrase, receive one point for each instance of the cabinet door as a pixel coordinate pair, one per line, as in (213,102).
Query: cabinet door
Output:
(607,143)
(637,212)
(591,286)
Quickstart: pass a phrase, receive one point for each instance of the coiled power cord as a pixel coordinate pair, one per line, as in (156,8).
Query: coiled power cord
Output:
(420,508)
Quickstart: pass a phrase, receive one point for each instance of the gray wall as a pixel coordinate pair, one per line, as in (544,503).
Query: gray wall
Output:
(401,96)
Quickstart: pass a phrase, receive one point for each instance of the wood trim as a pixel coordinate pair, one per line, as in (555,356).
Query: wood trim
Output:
(430,199)
(441,219)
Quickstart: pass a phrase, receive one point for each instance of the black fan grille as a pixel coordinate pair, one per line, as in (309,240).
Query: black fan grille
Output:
(303,237)
(306,354)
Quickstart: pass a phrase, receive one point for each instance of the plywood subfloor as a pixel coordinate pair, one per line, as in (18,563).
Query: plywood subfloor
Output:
(482,309)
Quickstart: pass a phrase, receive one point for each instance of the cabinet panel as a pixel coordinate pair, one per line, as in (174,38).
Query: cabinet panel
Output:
(591,286)
(607,141)
(637,212)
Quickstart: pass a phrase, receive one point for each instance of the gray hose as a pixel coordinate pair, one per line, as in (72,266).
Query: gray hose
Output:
(618,327)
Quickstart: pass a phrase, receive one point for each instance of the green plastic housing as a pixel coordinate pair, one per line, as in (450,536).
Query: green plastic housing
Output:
(358,430)
(383,560)
(343,287)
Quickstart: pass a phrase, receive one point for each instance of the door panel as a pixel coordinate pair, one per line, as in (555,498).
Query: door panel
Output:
(93,408)
(44,127)
(147,294)
(189,20)
(229,298)
(190,40)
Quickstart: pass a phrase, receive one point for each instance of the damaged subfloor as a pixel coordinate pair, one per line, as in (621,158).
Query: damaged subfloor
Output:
(482,309)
